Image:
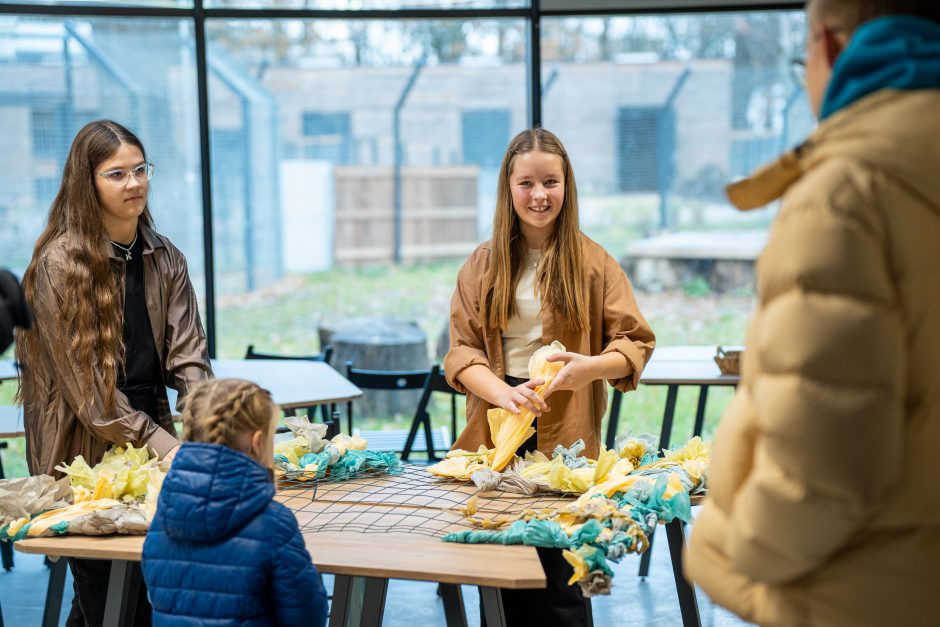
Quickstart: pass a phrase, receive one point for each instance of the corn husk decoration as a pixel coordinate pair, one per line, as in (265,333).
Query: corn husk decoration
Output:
(509,430)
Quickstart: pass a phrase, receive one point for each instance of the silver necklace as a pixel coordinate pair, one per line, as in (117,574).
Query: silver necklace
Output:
(126,249)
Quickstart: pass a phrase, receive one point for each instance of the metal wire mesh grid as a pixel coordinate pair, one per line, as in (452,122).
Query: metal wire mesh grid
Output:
(412,501)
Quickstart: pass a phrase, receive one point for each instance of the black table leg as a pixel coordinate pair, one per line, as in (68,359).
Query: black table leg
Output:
(358,601)
(6,548)
(454,612)
(493,607)
(6,555)
(613,423)
(700,411)
(688,604)
(123,586)
(665,435)
(54,593)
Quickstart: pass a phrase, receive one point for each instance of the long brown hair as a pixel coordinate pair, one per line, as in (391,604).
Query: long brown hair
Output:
(218,411)
(90,317)
(559,273)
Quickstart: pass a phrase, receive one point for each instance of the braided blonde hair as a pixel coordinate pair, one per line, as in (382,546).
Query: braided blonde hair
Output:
(218,411)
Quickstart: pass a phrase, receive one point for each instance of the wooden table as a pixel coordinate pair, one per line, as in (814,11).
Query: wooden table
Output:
(362,562)
(362,567)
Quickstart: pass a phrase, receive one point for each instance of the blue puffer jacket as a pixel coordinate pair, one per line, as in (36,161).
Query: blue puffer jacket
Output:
(221,552)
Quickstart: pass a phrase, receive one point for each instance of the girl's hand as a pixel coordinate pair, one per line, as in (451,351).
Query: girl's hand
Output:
(168,458)
(513,398)
(578,371)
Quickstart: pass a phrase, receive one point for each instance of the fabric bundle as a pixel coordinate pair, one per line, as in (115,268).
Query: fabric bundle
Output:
(618,507)
(117,495)
(309,455)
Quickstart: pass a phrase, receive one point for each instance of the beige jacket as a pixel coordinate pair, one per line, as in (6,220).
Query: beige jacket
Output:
(824,503)
(56,430)
(616,325)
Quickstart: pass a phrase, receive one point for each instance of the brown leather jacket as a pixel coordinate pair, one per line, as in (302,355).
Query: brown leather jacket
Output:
(616,325)
(64,419)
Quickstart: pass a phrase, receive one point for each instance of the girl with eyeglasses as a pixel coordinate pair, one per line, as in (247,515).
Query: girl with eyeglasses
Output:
(116,321)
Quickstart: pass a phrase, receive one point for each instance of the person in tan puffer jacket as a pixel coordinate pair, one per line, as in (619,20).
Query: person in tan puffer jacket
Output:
(824,504)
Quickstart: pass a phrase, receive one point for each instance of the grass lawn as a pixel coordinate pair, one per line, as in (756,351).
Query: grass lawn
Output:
(284,318)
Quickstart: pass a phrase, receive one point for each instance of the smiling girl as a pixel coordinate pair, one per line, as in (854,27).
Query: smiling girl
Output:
(116,323)
(537,280)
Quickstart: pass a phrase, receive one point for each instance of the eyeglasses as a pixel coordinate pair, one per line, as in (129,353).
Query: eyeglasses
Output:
(142,173)
(798,71)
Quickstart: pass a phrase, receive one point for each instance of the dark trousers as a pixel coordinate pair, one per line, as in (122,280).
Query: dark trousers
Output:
(556,605)
(91,591)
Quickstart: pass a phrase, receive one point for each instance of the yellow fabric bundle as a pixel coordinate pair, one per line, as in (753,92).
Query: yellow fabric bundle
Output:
(40,524)
(606,461)
(564,479)
(124,473)
(509,430)
(460,464)
(693,457)
(345,443)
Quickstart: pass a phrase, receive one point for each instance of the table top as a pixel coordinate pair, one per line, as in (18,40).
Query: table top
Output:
(11,422)
(685,365)
(292,383)
(374,525)
(397,556)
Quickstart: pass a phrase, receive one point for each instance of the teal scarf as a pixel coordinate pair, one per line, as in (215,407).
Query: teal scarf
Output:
(895,52)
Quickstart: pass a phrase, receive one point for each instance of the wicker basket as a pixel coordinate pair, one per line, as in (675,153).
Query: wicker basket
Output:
(729,360)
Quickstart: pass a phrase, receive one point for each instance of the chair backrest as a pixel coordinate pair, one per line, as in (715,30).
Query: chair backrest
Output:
(439,383)
(323,355)
(386,379)
(326,411)
(382,380)
(436,382)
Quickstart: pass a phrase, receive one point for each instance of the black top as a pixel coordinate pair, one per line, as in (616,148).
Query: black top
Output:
(142,377)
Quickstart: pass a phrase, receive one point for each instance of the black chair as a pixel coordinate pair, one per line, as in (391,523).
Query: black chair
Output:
(396,380)
(436,382)
(326,411)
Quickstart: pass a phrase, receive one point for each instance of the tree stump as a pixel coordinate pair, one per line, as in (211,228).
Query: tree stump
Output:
(379,344)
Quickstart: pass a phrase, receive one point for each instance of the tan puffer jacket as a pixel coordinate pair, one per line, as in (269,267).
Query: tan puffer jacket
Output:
(824,503)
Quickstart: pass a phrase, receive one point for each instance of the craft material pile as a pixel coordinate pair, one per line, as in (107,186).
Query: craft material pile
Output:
(118,495)
(622,494)
(309,455)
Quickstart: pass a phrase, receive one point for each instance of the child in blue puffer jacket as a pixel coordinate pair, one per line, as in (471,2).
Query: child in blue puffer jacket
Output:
(220,550)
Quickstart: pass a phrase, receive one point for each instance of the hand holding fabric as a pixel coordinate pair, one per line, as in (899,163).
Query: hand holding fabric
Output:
(523,396)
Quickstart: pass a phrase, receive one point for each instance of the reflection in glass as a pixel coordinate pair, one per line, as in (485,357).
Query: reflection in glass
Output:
(57,75)
(357,143)
(171,4)
(659,113)
(365,5)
